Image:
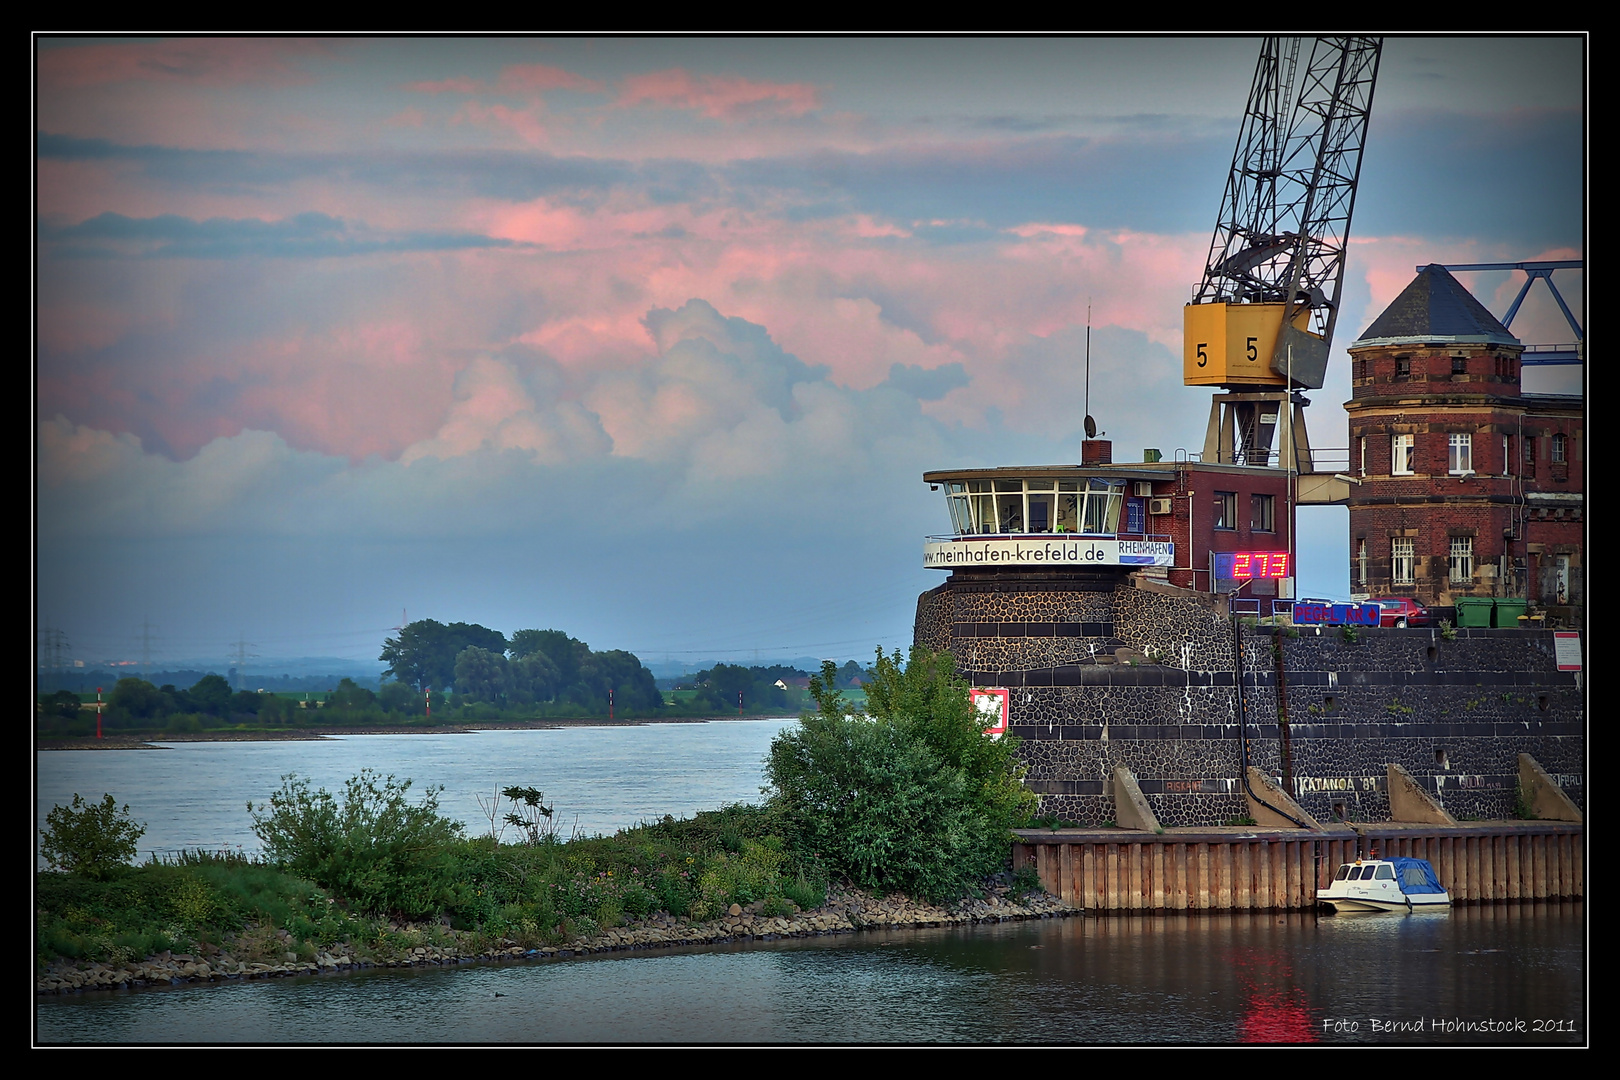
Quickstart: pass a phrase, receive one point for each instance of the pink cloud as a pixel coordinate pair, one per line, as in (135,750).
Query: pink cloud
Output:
(538,78)
(189,61)
(515,79)
(1033,231)
(524,123)
(718,96)
(539,222)
(447,86)
(406,118)
(836,292)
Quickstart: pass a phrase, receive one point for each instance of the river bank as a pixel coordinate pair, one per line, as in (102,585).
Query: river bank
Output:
(150,740)
(243,957)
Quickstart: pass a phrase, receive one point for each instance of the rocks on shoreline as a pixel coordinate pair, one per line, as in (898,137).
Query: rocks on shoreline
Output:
(845,911)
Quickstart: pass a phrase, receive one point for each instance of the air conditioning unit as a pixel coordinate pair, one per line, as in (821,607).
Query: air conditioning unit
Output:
(1144,488)
(1159,506)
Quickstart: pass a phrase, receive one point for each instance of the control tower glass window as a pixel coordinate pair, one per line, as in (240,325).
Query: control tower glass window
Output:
(998,507)
(1104,500)
(1010,506)
(1068,505)
(1040,505)
(973,506)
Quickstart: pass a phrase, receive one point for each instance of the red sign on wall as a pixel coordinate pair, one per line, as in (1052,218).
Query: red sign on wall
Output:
(1567,649)
(993,703)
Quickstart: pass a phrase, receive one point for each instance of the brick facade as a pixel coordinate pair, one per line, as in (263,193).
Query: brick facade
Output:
(1469,487)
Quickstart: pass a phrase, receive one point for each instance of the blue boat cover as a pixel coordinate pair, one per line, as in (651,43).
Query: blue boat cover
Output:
(1415,876)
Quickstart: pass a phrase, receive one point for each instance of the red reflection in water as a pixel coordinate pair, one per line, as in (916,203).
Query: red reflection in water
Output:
(1278,1018)
(1277,1010)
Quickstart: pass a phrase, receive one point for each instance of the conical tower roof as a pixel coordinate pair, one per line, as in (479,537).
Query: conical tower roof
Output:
(1435,308)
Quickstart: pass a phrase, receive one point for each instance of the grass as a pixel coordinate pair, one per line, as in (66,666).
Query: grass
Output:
(534,895)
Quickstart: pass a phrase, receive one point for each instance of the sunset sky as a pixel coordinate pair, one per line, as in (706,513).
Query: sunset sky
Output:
(651,340)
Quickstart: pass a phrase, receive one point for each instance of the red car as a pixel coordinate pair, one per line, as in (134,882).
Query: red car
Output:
(1401,611)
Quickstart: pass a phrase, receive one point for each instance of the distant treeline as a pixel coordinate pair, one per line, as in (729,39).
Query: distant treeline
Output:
(479,666)
(135,704)
(777,689)
(86,680)
(459,671)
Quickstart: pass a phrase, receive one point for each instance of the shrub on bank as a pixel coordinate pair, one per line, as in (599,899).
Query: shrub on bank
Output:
(194,901)
(373,847)
(908,795)
(93,839)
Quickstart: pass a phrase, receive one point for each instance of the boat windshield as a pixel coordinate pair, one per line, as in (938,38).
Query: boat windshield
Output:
(1386,872)
(1343,870)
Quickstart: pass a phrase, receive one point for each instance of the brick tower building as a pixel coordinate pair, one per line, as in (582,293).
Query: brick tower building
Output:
(1469,487)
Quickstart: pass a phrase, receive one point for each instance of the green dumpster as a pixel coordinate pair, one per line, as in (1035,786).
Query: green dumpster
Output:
(1508,610)
(1474,611)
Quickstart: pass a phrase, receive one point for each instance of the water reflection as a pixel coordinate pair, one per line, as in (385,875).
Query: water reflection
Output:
(1214,980)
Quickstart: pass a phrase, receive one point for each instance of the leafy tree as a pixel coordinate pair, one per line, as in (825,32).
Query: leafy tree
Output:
(247,703)
(565,653)
(175,700)
(633,685)
(274,709)
(351,696)
(212,695)
(911,796)
(482,675)
(424,653)
(398,697)
(534,678)
(93,839)
(134,699)
(719,686)
(63,703)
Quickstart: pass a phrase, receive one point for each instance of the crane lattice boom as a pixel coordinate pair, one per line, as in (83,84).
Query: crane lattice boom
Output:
(1285,216)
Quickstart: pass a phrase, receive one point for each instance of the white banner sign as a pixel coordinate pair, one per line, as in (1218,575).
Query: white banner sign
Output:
(1057,550)
(1567,650)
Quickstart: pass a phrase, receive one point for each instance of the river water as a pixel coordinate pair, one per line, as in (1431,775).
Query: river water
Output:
(1509,974)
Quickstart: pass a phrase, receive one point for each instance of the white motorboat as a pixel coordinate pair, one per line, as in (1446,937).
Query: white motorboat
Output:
(1395,884)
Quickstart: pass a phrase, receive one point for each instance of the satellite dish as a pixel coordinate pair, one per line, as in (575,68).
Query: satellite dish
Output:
(1091,428)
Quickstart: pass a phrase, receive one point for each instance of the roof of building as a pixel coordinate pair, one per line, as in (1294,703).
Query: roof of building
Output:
(1132,470)
(1435,308)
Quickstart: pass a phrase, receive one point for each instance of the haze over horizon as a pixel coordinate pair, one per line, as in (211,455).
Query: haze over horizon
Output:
(651,340)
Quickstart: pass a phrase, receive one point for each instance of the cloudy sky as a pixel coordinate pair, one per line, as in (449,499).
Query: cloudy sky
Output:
(651,340)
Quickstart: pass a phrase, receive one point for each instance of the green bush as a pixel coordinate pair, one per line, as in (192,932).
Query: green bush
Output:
(374,849)
(909,796)
(93,839)
(806,894)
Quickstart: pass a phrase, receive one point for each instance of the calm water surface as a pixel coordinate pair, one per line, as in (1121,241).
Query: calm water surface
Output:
(1210,979)
(192,795)
(1214,979)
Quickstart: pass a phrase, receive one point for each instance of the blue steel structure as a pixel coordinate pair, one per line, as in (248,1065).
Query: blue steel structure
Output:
(1555,354)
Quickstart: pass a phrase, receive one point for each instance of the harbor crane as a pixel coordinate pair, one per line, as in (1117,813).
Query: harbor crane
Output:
(1261,321)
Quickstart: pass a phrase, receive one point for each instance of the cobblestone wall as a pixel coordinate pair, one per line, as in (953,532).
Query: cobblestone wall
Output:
(1106,674)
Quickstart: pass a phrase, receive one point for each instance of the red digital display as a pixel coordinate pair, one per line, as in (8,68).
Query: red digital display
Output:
(1244,565)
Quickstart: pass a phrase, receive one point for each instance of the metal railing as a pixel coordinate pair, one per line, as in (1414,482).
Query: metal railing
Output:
(1262,606)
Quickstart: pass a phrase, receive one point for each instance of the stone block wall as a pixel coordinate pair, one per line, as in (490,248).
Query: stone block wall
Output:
(1455,713)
